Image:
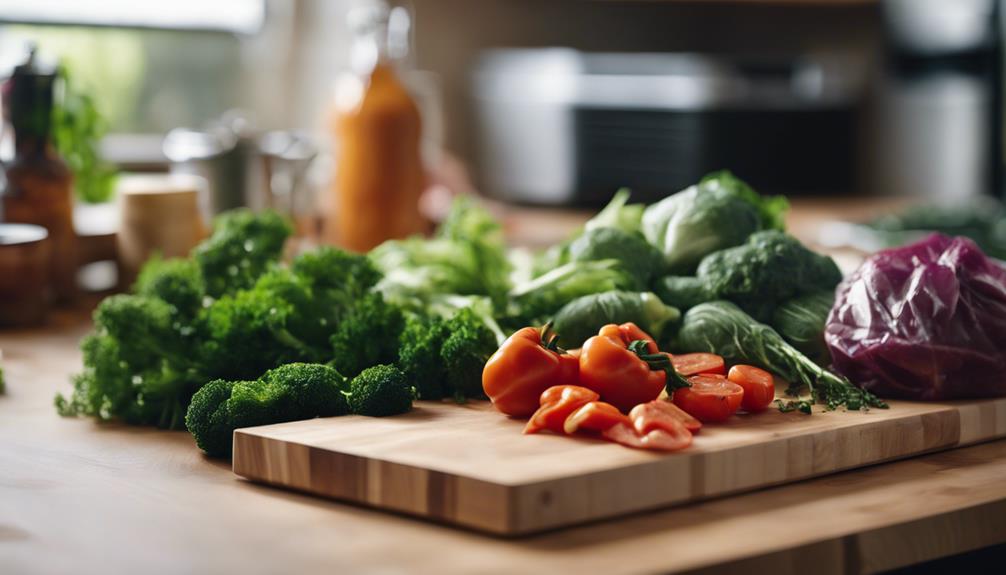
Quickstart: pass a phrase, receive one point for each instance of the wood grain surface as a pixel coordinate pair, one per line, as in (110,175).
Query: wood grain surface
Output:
(85,498)
(471,466)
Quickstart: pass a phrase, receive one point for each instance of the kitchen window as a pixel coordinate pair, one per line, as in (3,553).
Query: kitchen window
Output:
(177,65)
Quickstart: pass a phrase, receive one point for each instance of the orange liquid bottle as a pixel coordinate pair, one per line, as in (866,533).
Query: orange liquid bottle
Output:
(379,174)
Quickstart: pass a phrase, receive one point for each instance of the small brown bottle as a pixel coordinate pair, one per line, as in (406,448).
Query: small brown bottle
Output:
(39,186)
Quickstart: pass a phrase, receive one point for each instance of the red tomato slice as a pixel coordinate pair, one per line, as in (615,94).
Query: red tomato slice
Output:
(557,403)
(711,398)
(658,439)
(758,384)
(696,363)
(665,406)
(594,416)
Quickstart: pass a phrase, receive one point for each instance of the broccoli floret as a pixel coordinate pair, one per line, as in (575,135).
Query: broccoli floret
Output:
(337,281)
(379,391)
(465,352)
(419,356)
(175,281)
(308,319)
(151,393)
(339,277)
(310,389)
(250,331)
(104,389)
(769,268)
(367,336)
(444,358)
(140,324)
(227,313)
(208,419)
(243,246)
(136,366)
(288,393)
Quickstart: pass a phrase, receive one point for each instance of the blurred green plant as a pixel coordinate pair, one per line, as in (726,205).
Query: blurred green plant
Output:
(78,128)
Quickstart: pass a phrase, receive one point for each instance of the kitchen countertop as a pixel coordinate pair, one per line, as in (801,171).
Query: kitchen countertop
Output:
(82,497)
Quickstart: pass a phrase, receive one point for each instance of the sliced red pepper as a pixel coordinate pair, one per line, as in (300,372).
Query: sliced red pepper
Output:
(659,408)
(657,439)
(659,414)
(594,416)
(557,403)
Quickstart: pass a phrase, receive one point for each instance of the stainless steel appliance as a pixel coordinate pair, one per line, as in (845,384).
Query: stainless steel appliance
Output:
(561,126)
(940,102)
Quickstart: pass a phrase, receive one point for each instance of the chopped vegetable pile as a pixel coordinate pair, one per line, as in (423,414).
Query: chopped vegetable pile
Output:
(614,387)
(232,336)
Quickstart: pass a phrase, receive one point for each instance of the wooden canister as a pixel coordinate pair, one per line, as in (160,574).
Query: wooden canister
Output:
(158,214)
(24,274)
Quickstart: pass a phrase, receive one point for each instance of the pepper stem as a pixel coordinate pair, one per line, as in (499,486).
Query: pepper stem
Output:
(659,362)
(550,339)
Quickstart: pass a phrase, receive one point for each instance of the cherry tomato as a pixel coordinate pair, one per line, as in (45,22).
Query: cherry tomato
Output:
(594,416)
(557,403)
(696,363)
(758,384)
(658,439)
(523,367)
(711,398)
(623,377)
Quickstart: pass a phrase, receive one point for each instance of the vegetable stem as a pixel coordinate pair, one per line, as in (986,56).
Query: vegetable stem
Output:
(659,362)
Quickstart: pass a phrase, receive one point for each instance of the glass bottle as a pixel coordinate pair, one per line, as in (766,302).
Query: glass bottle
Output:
(379,174)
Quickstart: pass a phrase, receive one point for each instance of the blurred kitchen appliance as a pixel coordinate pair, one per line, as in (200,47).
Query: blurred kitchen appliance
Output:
(940,102)
(242,167)
(38,183)
(561,126)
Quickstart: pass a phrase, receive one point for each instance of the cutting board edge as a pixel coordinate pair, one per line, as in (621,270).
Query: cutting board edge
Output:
(939,439)
(547,504)
(488,504)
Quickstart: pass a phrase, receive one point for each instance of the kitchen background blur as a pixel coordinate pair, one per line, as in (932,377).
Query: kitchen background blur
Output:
(532,103)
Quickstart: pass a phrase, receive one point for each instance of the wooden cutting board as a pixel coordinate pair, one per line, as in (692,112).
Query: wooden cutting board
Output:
(471,466)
